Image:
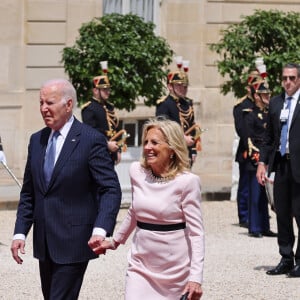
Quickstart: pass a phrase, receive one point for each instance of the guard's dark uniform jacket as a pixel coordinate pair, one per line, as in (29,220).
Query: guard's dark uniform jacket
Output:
(255,120)
(179,110)
(243,185)
(238,115)
(255,125)
(101,116)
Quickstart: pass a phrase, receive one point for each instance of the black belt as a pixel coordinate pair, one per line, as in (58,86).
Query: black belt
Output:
(160,227)
(286,156)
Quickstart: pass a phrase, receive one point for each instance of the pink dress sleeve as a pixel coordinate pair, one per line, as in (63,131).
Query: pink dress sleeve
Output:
(191,206)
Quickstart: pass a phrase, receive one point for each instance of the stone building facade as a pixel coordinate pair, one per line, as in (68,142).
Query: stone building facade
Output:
(34,32)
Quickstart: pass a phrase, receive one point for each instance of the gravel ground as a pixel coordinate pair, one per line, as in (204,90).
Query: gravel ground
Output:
(235,264)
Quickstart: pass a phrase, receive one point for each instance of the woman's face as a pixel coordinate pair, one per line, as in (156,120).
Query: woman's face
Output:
(157,151)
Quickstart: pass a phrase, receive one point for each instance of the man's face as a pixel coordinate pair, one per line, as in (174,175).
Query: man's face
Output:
(180,90)
(104,93)
(54,110)
(290,81)
(265,97)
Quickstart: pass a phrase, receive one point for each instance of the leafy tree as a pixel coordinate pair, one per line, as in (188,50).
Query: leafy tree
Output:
(137,59)
(273,35)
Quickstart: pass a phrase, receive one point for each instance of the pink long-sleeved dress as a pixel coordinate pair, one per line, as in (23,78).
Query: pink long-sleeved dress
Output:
(160,263)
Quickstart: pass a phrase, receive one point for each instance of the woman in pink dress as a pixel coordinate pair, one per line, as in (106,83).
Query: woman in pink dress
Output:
(167,252)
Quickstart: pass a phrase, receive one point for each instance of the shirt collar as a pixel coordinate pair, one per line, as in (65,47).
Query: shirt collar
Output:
(294,96)
(66,128)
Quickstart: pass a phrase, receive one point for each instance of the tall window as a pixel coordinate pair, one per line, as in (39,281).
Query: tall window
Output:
(134,128)
(112,6)
(143,8)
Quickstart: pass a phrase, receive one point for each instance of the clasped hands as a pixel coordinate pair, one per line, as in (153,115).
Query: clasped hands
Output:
(99,245)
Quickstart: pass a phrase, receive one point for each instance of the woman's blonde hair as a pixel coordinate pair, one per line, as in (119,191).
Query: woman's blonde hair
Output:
(174,136)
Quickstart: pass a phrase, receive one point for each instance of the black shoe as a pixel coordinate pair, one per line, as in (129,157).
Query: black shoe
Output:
(269,233)
(255,234)
(295,272)
(243,224)
(281,268)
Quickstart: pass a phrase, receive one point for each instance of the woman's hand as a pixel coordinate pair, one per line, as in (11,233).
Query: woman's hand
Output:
(194,289)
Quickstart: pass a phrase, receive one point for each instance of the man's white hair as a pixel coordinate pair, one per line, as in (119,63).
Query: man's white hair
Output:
(67,89)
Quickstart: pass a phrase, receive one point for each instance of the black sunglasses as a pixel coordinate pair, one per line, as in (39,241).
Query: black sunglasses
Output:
(291,78)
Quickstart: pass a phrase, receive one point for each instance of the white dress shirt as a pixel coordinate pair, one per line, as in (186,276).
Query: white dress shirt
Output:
(294,100)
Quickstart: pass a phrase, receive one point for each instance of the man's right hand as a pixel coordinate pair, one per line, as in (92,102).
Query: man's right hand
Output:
(261,173)
(17,245)
(189,140)
(113,146)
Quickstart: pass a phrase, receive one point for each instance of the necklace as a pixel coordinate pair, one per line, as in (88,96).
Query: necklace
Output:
(159,179)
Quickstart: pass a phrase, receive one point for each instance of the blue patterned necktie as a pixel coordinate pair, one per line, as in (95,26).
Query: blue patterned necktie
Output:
(284,128)
(50,157)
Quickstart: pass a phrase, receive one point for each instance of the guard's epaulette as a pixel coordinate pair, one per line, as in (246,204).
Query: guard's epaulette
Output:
(241,100)
(247,110)
(189,100)
(162,99)
(109,103)
(85,105)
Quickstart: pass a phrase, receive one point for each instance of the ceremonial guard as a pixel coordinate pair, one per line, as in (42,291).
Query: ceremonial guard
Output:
(100,114)
(176,106)
(255,120)
(246,102)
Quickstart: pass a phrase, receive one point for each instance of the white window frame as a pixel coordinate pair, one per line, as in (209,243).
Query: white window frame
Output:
(156,12)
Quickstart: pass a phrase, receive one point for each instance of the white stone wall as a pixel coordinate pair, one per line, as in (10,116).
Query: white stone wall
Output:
(34,32)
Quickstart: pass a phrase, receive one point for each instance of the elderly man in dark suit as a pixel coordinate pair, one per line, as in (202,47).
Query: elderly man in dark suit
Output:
(281,153)
(71,194)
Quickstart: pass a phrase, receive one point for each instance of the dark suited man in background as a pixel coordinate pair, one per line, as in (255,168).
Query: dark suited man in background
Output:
(283,157)
(75,206)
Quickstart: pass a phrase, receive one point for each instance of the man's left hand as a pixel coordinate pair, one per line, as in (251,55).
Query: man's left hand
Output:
(95,244)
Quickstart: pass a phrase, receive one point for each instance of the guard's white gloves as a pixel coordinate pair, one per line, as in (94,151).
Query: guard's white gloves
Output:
(2,157)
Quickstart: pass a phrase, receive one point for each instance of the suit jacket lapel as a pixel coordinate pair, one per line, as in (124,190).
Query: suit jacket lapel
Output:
(296,111)
(41,155)
(70,144)
(279,107)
